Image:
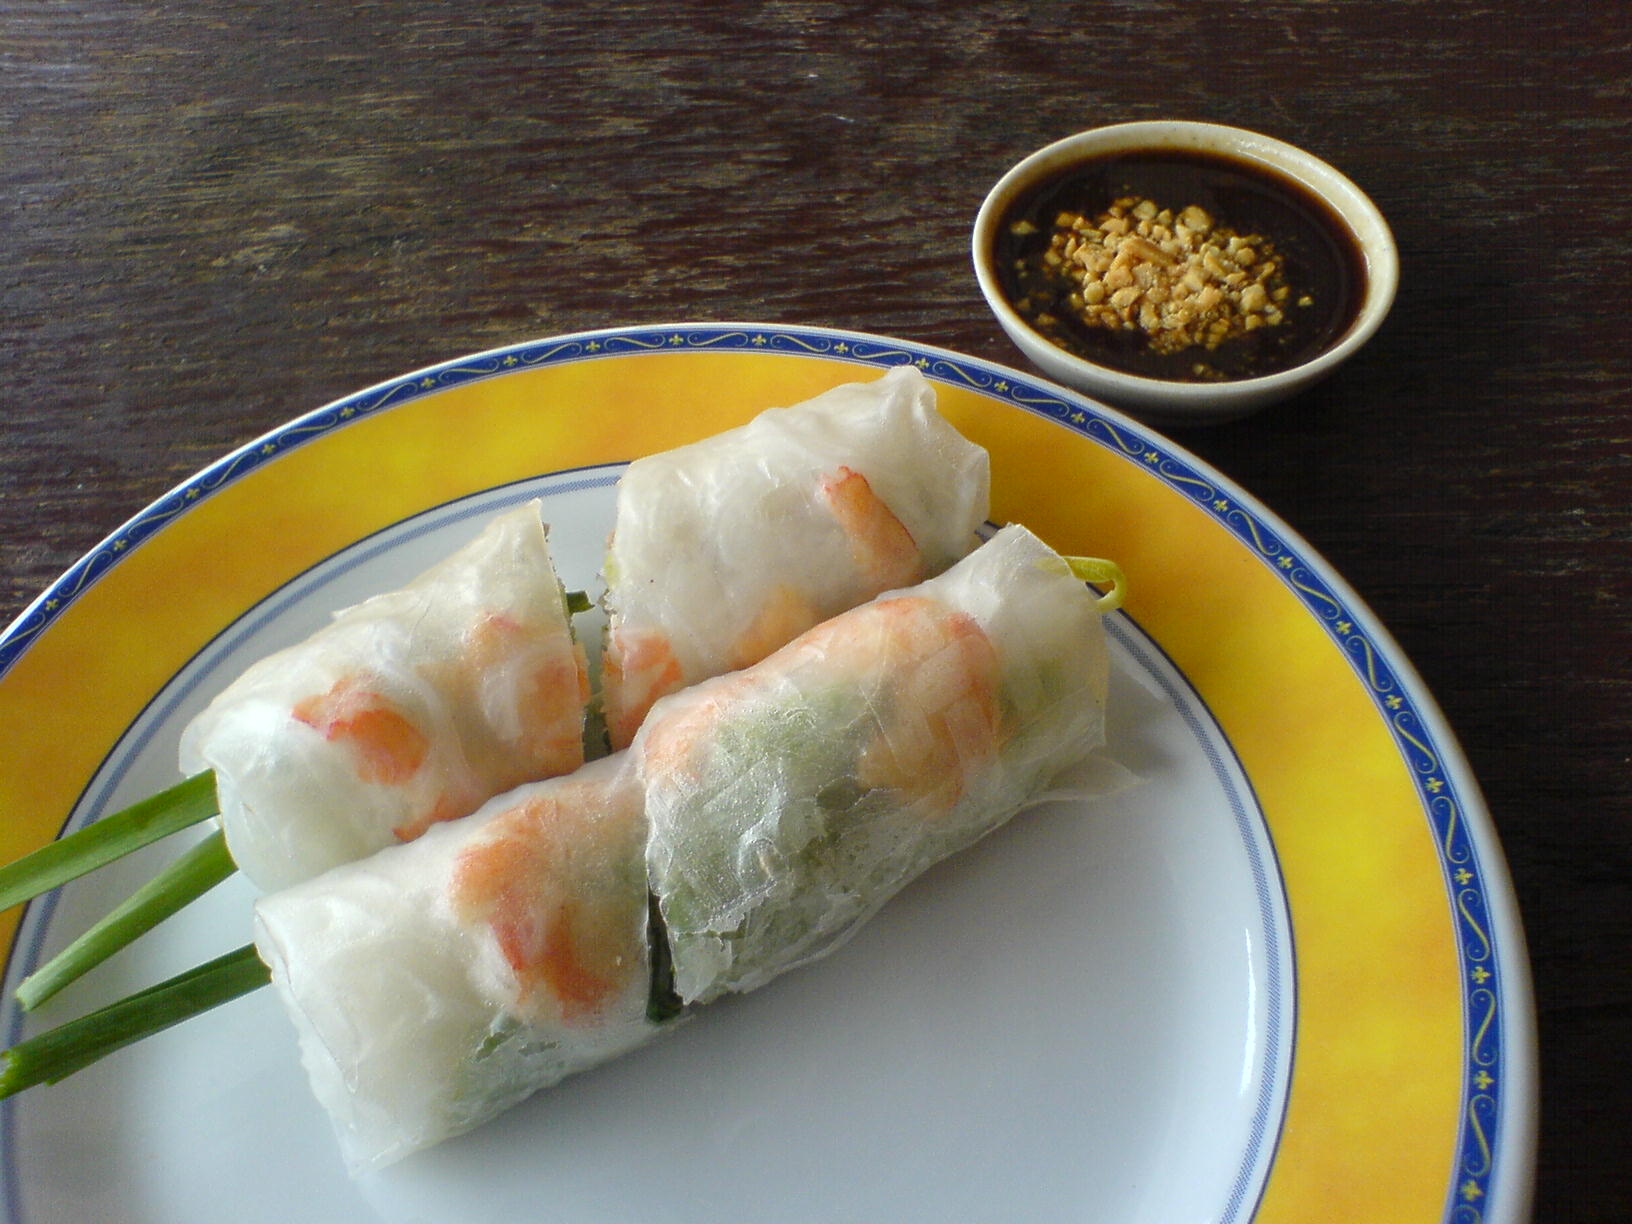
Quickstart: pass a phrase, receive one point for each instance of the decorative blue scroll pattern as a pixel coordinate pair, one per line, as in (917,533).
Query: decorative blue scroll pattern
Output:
(1401,710)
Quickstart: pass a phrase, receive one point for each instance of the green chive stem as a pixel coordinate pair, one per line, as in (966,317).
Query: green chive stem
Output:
(182,882)
(57,1053)
(110,838)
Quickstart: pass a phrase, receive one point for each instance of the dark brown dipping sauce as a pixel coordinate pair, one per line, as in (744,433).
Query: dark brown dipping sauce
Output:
(1322,261)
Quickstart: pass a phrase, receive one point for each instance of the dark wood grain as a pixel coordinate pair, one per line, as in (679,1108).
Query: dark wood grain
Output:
(216,216)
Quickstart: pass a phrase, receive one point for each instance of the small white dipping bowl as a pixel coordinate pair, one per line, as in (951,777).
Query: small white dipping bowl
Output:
(1170,402)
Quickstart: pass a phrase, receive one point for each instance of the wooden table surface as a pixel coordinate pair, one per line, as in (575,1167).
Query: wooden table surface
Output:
(216,216)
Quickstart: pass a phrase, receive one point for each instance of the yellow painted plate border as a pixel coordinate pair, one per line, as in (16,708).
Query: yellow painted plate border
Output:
(1413,1087)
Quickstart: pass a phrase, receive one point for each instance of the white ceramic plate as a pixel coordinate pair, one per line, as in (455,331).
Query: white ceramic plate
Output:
(1247,989)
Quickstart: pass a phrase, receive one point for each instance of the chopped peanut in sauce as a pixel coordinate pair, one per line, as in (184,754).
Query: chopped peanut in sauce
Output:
(1182,279)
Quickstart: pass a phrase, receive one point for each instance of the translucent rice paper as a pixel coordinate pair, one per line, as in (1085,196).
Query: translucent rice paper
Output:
(728,548)
(789,801)
(410,708)
(436,984)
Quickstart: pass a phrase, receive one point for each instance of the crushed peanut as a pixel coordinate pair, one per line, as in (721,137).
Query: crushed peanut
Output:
(1179,277)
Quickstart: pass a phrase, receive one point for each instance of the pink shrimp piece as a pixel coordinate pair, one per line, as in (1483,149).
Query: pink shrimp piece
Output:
(675,742)
(556,938)
(551,741)
(943,722)
(638,669)
(936,672)
(880,543)
(386,746)
(786,614)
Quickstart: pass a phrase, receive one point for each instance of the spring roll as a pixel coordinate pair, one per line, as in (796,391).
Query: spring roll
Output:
(726,549)
(769,812)
(410,708)
(787,802)
(436,984)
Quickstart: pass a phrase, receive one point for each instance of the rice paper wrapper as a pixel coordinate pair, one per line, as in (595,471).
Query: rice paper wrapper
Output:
(410,708)
(787,802)
(437,984)
(728,548)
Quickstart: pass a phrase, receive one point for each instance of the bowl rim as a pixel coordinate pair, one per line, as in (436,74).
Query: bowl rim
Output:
(1372,235)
